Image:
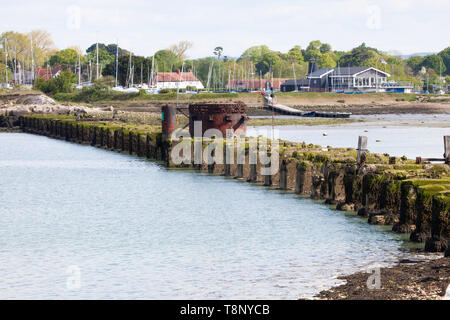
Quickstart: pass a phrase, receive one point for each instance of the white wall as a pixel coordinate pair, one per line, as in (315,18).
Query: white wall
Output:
(181,85)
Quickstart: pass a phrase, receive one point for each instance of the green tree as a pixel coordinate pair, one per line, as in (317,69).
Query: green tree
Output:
(64,81)
(415,63)
(3,73)
(104,58)
(268,61)
(255,54)
(296,54)
(218,52)
(66,57)
(110,48)
(434,61)
(313,50)
(326,60)
(445,56)
(358,57)
(324,48)
(61,84)
(167,61)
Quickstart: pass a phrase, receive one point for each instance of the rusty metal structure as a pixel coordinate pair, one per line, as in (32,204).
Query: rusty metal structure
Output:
(169,120)
(219,116)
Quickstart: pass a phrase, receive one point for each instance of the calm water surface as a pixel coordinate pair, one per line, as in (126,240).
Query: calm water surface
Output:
(399,135)
(135,230)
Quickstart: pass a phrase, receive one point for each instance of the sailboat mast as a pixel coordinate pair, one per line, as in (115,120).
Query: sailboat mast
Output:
(79,69)
(32,58)
(6,61)
(97,60)
(295,77)
(153,70)
(15,64)
(90,71)
(116,66)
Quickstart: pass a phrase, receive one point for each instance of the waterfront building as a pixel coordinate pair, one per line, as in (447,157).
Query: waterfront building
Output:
(175,80)
(48,73)
(348,79)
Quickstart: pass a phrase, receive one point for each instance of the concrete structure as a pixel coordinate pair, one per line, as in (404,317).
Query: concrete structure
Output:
(219,116)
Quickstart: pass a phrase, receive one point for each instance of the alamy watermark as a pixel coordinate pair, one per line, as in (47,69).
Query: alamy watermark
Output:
(73,21)
(373,21)
(213,148)
(374,280)
(73,281)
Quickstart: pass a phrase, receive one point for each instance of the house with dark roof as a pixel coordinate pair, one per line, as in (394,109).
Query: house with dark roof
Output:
(291,84)
(339,78)
(347,78)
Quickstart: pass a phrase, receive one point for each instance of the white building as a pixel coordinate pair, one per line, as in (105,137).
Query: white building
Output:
(175,80)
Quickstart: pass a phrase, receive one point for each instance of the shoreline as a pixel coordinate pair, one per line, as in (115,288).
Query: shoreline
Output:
(425,279)
(420,279)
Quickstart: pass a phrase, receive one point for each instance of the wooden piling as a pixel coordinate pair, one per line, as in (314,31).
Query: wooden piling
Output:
(447,149)
(362,149)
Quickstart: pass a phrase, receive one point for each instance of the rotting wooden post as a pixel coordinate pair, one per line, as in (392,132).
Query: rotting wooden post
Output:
(268,177)
(419,160)
(226,164)
(138,145)
(122,141)
(211,168)
(300,178)
(362,149)
(102,135)
(130,142)
(94,136)
(147,146)
(253,175)
(283,176)
(447,149)
(240,170)
(116,140)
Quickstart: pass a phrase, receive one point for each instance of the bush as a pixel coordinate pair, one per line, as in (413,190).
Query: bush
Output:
(61,84)
(104,82)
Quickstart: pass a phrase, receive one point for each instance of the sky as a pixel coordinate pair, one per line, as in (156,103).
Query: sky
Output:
(394,26)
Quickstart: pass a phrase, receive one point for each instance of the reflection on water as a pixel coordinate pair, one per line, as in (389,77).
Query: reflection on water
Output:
(136,230)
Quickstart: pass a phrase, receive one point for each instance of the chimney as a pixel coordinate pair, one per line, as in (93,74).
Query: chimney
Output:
(312,66)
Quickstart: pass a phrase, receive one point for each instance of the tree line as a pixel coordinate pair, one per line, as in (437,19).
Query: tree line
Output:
(254,63)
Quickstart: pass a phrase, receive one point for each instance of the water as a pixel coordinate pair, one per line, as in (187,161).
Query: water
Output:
(397,135)
(135,230)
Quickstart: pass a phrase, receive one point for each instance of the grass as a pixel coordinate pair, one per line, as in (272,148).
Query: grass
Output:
(91,95)
(112,96)
(332,96)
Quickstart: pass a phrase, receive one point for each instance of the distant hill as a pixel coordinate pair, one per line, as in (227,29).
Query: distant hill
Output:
(421,54)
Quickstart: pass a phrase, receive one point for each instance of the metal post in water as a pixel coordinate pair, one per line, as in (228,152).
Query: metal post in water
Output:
(169,120)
